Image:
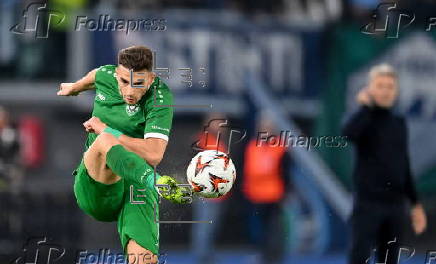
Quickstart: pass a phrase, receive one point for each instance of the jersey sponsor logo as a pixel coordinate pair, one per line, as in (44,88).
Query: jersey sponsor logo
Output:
(160,128)
(101,97)
(132,109)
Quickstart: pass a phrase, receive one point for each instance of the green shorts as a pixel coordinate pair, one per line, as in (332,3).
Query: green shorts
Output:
(101,201)
(139,203)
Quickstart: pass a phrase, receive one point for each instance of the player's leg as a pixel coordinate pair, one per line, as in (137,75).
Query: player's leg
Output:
(129,165)
(137,225)
(108,161)
(139,255)
(95,159)
(99,192)
(123,163)
(137,222)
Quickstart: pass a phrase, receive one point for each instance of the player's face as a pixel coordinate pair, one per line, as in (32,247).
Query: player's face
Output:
(128,83)
(384,90)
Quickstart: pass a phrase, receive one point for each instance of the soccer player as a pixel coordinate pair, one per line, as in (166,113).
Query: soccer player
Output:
(128,135)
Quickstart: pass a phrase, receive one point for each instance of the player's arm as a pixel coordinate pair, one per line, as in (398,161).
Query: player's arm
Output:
(150,149)
(85,83)
(158,125)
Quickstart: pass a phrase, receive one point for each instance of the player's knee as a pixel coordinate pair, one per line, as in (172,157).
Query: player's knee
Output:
(139,255)
(142,258)
(105,142)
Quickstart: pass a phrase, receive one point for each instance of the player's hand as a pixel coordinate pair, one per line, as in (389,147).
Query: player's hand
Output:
(364,97)
(94,125)
(419,219)
(67,89)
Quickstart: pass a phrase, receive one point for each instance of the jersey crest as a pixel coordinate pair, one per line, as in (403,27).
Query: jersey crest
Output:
(132,109)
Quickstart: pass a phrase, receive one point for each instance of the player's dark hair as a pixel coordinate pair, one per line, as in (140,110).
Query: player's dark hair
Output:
(136,58)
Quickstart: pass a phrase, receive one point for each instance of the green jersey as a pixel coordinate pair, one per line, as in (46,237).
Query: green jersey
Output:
(150,117)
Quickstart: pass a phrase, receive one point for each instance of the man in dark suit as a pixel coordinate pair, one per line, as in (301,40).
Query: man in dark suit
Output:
(383,182)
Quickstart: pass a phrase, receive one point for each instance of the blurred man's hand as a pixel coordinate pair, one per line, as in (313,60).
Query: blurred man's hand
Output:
(67,89)
(364,97)
(419,219)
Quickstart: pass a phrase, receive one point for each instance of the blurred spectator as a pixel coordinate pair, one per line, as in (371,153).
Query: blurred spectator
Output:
(383,181)
(265,183)
(212,137)
(9,147)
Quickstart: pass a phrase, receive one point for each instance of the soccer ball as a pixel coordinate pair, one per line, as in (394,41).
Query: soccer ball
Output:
(211,173)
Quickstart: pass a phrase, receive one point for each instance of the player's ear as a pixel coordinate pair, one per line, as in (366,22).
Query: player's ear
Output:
(150,79)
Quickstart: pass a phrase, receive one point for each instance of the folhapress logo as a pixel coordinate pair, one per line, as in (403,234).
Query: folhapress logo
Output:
(389,20)
(37,18)
(38,250)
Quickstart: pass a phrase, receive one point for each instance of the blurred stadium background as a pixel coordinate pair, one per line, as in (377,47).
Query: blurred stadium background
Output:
(302,60)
